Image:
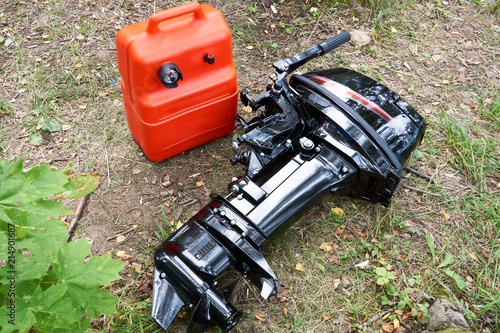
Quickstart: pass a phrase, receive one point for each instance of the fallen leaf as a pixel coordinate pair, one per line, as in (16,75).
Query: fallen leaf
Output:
(436,57)
(473,255)
(337,212)
(325,316)
(386,316)
(396,323)
(120,239)
(388,327)
(80,37)
(336,283)
(399,312)
(469,278)
(136,171)
(299,267)
(137,266)
(200,183)
(83,107)
(102,94)
(285,312)
(363,264)
(116,102)
(65,127)
(287,324)
(249,47)
(78,65)
(260,317)
(79,76)
(325,247)
(120,253)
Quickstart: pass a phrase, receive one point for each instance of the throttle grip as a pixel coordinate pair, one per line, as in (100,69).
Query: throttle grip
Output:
(332,43)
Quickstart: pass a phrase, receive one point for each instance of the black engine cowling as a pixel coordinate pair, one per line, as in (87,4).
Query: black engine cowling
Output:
(327,132)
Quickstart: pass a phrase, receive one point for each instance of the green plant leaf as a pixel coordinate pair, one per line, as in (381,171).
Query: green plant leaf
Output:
(448,260)
(48,125)
(432,248)
(321,267)
(55,290)
(36,139)
(458,279)
(83,279)
(381,271)
(79,186)
(27,190)
(382,280)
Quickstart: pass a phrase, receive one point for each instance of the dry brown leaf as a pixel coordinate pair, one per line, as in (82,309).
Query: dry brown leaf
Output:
(325,316)
(396,323)
(325,247)
(287,324)
(299,267)
(436,57)
(120,238)
(285,312)
(80,37)
(336,283)
(388,328)
(200,183)
(386,316)
(120,253)
(399,312)
(79,76)
(260,317)
(473,255)
(78,65)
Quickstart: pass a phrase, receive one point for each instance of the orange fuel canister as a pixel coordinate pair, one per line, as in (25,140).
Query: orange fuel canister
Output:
(178,79)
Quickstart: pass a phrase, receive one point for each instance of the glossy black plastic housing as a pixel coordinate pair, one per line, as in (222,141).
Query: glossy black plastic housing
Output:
(327,132)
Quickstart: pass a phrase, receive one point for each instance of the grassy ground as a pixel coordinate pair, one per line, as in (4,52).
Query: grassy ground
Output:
(372,269)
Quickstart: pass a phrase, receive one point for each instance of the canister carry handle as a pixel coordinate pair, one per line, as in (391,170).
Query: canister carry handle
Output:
(164,15)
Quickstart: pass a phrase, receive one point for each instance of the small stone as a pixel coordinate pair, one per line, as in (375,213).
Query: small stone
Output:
(136,171)
(8,41)
(154,182)
(360,38)
(495,28)
(444,315)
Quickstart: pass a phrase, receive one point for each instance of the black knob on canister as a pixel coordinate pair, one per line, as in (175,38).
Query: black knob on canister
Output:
(209,57)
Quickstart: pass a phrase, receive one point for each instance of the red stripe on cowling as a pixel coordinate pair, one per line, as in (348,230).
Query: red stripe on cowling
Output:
(358,97)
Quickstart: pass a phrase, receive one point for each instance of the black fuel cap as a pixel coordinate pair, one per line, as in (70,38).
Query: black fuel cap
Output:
(169,74)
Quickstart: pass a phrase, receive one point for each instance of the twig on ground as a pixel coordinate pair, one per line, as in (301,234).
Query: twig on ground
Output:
(421,191)
(79,209)
(122,233)
(419,174)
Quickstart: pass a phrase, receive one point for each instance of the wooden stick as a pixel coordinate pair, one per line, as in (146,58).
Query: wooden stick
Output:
(79,210)
(421,191)
(121,233)
(419,174)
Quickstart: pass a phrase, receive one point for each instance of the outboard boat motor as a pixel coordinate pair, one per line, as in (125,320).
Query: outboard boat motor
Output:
(325,132)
